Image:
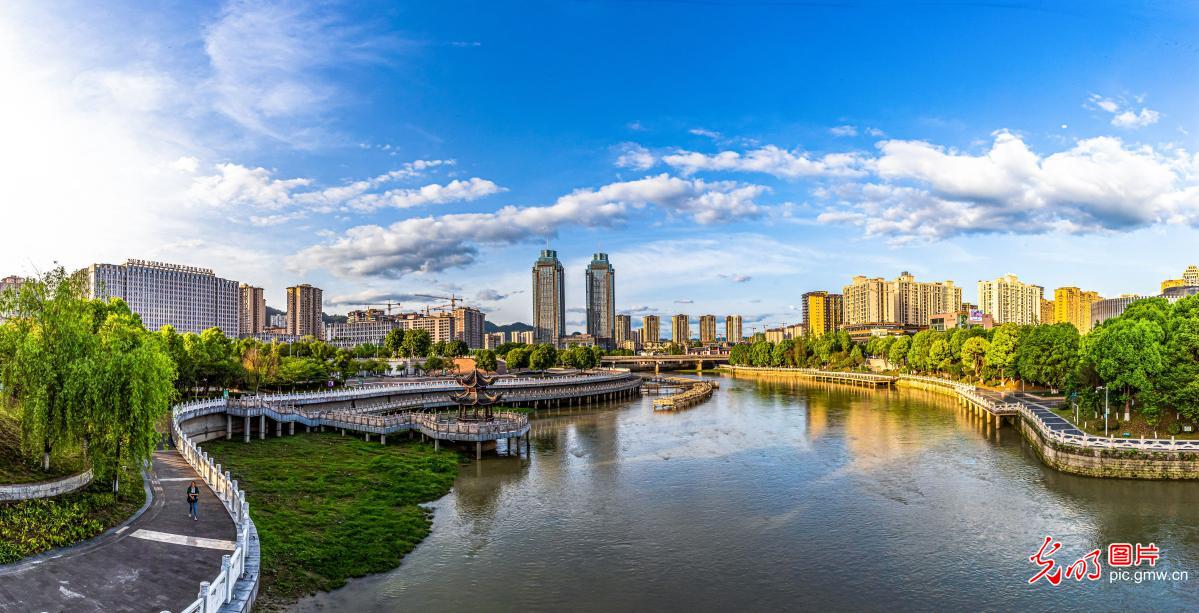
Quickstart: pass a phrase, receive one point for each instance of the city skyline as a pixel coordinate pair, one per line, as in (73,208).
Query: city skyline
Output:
(254,151)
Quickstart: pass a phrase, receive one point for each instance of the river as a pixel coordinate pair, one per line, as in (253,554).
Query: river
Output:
(779,495)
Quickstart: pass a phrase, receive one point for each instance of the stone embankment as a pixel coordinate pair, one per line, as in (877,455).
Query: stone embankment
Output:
(1063,448)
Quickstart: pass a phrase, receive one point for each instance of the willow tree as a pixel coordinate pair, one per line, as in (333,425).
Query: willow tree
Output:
(130,388)
(45,345)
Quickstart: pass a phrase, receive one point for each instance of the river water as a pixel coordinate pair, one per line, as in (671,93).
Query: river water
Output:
(780,496)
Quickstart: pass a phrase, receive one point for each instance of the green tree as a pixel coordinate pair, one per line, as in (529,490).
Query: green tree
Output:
(939,356)
(455,349)
(486,360)
(46,346)
(130,388)
(761,352)
(1128,355)
(1048,354)
(417,343)
(517,357)
(897,355)
(1001,354)
(394,342)
(856,357)
(543,357)
(974,354)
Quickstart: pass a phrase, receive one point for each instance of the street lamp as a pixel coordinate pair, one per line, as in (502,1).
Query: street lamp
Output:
(1105,407)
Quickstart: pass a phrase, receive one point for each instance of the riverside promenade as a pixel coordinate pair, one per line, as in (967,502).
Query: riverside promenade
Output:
(152,563)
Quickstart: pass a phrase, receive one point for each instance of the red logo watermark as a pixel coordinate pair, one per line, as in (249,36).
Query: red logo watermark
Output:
(1089,566)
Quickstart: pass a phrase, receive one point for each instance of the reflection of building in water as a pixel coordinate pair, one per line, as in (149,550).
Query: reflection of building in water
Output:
(879,432)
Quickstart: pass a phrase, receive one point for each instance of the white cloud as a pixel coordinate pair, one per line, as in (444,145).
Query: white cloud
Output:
(454,191)
(929,192)
(430,244)
(1123,115)
(712,134)
(845,130)
(771,160)
(635,156)
(269,63)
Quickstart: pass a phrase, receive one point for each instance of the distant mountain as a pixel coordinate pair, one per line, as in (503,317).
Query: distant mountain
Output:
(513,327)
(333,319)
(270,310)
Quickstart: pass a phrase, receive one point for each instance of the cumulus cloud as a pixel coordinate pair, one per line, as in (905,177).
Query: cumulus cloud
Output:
(1124,115)
(771,160)
(845,130)
(373,297)
(242,188)
(930,192)
(712,134)
(491,295)
(434,243)
(635,156)
(454,191)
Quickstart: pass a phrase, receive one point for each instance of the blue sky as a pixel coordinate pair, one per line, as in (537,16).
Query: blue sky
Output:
(728,155)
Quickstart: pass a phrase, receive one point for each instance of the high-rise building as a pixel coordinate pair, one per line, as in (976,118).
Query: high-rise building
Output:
(491,340)
(651,331)
(440,326)
(253,310)
(364,315)
(776,335)
(794,331)
(1008,300)
(549,298)
(732,329)
(624,329)
(822,312)
(601,300)
(304,309)
(1047,309)
(707,329)
(1072,305)
(469,323)
(1191,275)
(1103,310)
(865,300)
(186,298)
(680,329)
(354,333)
(903,300)
(278,320)
(528,337)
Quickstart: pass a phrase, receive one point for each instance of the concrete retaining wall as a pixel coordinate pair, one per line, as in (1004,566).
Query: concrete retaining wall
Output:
(1113,463)
(45,489)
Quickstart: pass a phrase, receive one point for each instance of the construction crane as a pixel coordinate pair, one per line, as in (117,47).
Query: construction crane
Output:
(387,304)
(454,300)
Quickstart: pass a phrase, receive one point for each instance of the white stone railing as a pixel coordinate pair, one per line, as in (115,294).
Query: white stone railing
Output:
(45,489)
(223,592)
(1086,441)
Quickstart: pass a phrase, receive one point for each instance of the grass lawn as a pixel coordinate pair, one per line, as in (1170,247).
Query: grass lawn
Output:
(1137,427)
(34,526)
(328,507)
(16,468)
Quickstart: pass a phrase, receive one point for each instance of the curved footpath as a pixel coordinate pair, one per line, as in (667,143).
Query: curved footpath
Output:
(154,562)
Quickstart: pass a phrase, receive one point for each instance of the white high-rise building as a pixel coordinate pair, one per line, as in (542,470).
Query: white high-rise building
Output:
(902,300)
(186,298)
(1009,300)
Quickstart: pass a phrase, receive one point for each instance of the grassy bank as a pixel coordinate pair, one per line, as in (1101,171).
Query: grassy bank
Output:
(34,526)
(16,468)
(329,507)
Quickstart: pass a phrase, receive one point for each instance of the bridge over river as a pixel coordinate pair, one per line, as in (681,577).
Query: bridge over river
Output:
(669,362)
(390,409)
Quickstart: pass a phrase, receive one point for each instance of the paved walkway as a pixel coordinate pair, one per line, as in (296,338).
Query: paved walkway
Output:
(1041,407)
(156,563)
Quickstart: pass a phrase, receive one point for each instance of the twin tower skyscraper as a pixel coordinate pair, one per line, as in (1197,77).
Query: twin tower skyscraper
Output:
(549,300)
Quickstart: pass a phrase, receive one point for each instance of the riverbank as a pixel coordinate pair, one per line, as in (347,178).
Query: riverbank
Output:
(328,507)
(1083,455)
(30,527)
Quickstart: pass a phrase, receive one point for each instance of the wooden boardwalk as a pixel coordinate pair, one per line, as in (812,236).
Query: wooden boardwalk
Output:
(864,379)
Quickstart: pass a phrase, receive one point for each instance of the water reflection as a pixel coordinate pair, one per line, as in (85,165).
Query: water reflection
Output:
(777,495)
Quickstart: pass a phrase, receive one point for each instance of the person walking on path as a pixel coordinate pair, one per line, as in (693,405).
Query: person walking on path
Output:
(193,501)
